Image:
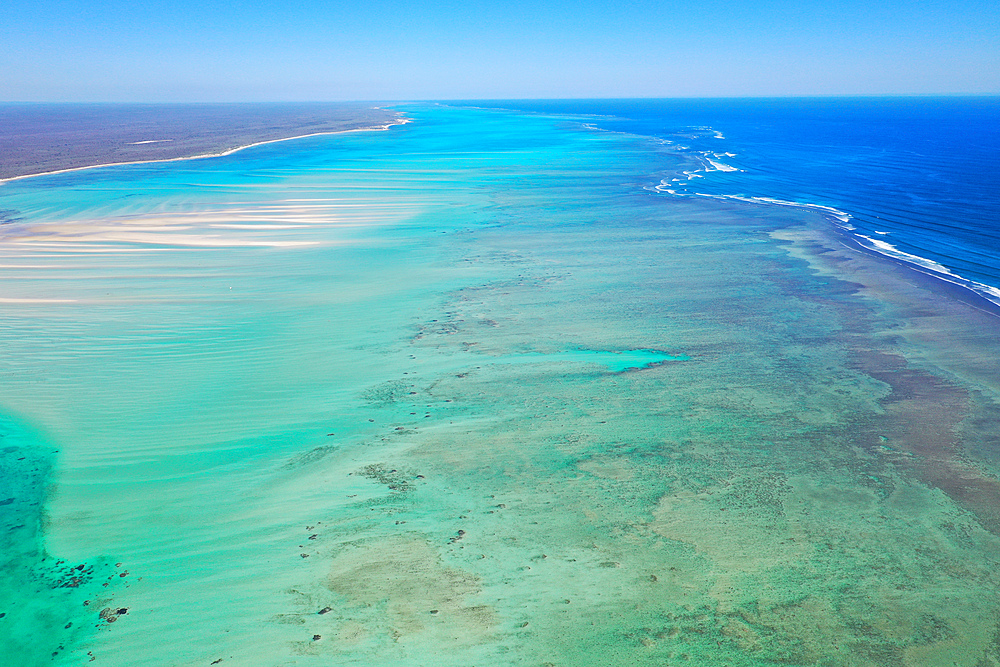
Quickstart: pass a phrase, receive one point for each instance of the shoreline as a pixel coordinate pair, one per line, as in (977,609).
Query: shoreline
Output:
(201,156)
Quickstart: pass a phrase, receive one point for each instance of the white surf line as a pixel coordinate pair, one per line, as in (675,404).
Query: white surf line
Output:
(148,141)
(720,166)
(841,219)
(929,267)
(33,300)
(377,128)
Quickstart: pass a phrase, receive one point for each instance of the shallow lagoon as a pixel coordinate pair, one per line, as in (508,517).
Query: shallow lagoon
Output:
(373,398)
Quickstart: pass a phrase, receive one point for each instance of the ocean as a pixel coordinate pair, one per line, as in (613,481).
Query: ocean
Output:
(514,383)
(913,178)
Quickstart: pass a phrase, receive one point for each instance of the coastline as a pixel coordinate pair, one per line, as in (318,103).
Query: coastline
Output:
(202,156)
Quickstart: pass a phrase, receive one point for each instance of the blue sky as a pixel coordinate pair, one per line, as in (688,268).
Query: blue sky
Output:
(247,50)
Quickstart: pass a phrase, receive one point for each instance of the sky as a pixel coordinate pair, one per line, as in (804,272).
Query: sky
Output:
(292,50)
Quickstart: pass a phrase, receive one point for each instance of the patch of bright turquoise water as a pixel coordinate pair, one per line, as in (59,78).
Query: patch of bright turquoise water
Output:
(614,361)
(334,401)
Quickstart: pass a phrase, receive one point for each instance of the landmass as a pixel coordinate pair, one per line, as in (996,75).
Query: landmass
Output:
(97,134)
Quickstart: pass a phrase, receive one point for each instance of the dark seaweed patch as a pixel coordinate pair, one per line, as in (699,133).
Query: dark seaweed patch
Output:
(312,456)
(387,392)
(397,480)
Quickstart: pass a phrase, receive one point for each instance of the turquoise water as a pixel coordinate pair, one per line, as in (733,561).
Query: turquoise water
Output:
(467,392)
(613,361)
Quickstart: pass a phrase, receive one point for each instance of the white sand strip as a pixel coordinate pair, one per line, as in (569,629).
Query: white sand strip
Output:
(378,128)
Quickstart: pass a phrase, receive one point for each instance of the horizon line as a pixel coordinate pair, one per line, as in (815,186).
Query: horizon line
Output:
(518,99)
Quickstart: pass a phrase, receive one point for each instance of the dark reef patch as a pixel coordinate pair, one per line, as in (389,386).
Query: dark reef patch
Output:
(37,590)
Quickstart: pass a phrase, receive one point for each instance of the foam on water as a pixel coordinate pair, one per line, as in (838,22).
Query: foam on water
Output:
(842,220)
(906,162)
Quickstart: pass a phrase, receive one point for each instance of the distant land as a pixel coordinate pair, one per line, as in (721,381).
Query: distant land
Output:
(40,138)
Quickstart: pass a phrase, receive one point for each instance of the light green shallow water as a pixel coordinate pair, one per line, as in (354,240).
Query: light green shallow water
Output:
(462,393)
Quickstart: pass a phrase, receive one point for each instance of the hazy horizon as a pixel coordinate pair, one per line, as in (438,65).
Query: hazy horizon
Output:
(70,50)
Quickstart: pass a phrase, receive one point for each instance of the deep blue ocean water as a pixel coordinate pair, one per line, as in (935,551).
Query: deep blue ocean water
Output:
(919,177)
